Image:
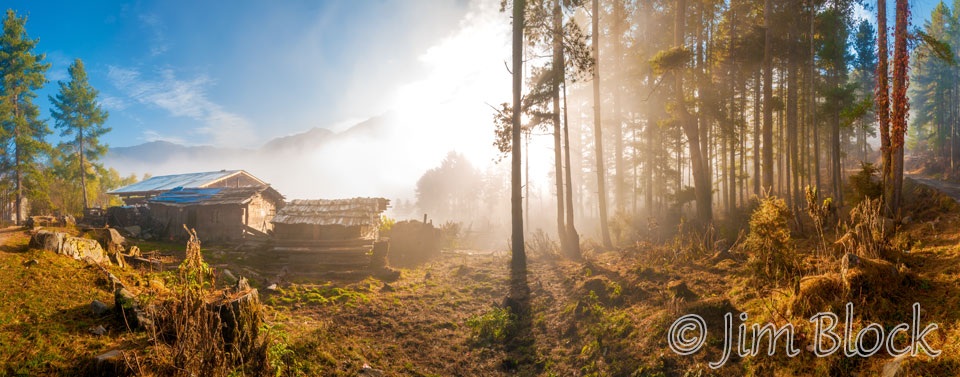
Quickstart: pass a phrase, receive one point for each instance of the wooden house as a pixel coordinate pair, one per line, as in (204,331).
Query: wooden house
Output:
(322,219)
(141,192)
(217,213)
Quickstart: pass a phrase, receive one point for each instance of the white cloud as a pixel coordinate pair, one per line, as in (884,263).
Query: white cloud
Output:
(112,103)
(159,43)
(185,98)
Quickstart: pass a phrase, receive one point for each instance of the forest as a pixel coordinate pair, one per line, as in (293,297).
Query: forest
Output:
(673,188)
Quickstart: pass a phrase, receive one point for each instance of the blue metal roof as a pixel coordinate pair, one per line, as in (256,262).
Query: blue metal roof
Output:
(180,195)
(170,182)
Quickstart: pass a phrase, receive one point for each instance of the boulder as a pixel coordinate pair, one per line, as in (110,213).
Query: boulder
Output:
(867,275)
(110,239)
(128,309)
(47,240)
(81,248)
(228,277)
(98,330)
(99,308)
(68,220)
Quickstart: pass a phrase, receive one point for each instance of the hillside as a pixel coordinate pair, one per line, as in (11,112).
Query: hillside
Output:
(606,315)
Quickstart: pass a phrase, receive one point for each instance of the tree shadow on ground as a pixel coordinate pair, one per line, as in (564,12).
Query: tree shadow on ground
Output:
(521,358)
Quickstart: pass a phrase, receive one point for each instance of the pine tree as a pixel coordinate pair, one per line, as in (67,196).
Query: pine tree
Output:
(22,72)
(900,106)
(78,114)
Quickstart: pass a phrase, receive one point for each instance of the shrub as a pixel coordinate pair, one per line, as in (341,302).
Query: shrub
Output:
(771,253)
(540,244)
(866,184)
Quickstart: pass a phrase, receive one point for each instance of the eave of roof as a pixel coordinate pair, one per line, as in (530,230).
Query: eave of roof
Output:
(170,182)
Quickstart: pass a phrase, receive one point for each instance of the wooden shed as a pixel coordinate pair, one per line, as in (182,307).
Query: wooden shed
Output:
(218,214)
(323,219)
(141,192)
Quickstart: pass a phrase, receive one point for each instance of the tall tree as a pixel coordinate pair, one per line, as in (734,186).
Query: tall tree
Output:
(900,106)
(883,99)
(767,164)
(556,79)
(22,72)
(518,255)
(597,128)
(78,114)
(865,71)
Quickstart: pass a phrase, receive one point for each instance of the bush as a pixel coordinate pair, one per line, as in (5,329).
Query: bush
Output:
(540,244)
(866,184)
(771,253)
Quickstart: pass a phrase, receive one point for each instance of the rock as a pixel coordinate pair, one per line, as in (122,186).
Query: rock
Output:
(128,309)
(892,367)
(110,239)
(98,331)
(117,258)
(80,248)
(367,370)
(387,288)
(68,220)
(273,287)
(134,252)
(47,240)
(134,231)
(98,307)
(31,263)
(866,275)
(679,289)
(40,221)
(111,363)
(905,220)
(230,278)
(847,262)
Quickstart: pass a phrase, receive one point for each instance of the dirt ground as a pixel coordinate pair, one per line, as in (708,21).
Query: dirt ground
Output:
(607,315)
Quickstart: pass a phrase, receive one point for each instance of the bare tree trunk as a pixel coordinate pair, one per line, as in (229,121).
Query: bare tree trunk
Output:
(557,147)
(793,190)
(767,97)
(813,102)
(899,116)
(618,186)
(573,239)
(83,173)
(597,126)
(756,133)
(701,179)
(519,258)
(883,99)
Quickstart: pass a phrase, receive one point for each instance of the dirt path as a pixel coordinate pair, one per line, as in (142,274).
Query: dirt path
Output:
(950,188)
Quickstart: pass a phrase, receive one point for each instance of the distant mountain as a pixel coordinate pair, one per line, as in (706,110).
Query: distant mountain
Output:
(160,152)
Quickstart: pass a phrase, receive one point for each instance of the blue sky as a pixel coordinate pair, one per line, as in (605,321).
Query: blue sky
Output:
(242,72)
(237,72)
